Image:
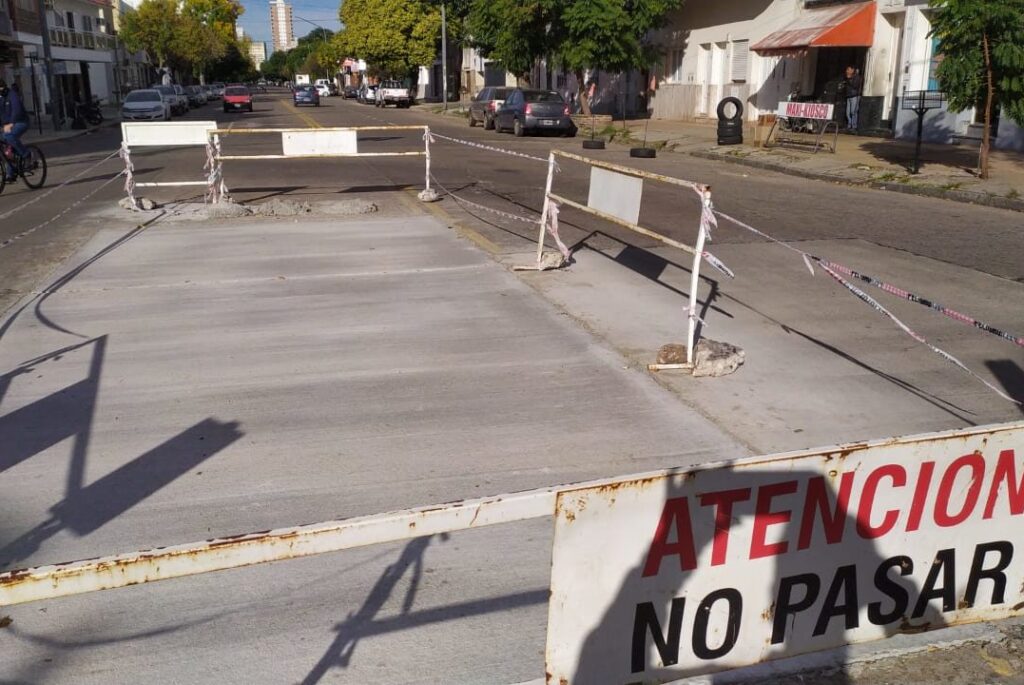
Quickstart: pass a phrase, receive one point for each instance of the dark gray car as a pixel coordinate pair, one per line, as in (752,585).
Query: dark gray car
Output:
(486,104)
(534,110)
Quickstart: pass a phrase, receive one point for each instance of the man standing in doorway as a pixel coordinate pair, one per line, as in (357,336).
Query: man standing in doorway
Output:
(854,86)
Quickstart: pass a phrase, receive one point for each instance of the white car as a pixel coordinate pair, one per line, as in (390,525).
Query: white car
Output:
(145,105)
(323,89)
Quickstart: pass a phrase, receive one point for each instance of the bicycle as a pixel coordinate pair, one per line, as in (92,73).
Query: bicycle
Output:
(31,168)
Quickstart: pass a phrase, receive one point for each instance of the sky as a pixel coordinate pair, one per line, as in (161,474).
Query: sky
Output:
(256,20)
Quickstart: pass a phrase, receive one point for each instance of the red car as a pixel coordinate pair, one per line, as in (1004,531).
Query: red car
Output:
(237,98)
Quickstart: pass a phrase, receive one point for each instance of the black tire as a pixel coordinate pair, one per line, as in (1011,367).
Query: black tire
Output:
(488,123)
(250,108)
(95,119)
(318,104)
(593,144)
(643,152)
(730,127)
(736,102)
(34,174)
(517,129)
(472,121)
(732,140)
(3,175)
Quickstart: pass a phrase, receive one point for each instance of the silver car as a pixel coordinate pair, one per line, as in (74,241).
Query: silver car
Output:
(486,104)
(145,105)
(169,97)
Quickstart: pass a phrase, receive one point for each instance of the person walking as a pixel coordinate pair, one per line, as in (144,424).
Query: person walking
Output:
(854,87)
(15,122)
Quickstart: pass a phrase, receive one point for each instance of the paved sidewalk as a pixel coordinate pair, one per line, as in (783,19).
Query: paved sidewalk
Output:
(947,171)
(111,117)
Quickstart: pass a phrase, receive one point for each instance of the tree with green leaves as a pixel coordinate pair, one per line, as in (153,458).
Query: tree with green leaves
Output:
(515,33)
(153,27)
(982,47)
(611,35)
(275,67)
(393,36)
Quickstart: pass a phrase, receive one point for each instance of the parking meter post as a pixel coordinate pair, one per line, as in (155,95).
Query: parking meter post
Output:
(920,135)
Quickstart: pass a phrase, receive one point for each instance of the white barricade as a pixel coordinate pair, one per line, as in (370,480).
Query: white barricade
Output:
(615,195)
(309,143)
(136,134)
(685,572)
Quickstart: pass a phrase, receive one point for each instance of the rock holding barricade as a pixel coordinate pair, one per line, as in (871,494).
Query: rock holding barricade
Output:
(710,357)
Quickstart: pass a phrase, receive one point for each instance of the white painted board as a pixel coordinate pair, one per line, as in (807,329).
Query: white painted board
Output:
(166,133)
(616,194)
(319,142)
(658,578)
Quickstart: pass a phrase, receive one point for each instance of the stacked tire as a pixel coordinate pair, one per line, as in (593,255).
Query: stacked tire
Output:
(730,121)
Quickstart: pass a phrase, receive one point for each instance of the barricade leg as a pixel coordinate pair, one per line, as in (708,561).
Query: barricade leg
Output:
(129,175)
(702,234)
(428,194)
(546,210)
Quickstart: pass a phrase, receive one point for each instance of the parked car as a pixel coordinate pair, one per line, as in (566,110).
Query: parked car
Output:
(196,96)
(485,106)
(532,111)
(145,105)
(170,96)
(182,98)
(367,94)
(306,95)
(350,92)
(392,93)
(237,98)
(323,90)
(210,92)
(218,90)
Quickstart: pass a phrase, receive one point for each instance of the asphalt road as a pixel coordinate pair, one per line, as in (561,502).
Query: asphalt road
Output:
(791,209)
(469,608)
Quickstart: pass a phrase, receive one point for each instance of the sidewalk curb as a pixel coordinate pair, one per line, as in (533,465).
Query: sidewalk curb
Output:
(54,138)
(924,191)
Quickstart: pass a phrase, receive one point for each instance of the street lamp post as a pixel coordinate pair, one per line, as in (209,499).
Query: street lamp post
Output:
(444,58)
(323,34)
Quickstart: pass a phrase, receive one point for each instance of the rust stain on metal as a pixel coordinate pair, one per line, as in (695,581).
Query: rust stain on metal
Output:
(412,525)
(1018,606)
(769,613)
(910,629)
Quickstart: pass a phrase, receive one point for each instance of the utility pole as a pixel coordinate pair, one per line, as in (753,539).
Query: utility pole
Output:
(48,62)
(444,58)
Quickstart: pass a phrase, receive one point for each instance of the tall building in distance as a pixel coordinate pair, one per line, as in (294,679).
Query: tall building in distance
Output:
(281,25)
(258,53)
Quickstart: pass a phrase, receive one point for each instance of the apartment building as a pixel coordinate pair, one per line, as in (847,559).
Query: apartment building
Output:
(257,53)
(83,47)
(281,26)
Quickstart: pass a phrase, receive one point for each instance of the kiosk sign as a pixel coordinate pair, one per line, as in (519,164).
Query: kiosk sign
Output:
(805,110)
(659,578)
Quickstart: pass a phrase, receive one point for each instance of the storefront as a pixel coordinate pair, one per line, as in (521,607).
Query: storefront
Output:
(826,41)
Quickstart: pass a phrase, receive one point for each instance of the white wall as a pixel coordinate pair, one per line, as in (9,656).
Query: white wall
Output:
(697,43)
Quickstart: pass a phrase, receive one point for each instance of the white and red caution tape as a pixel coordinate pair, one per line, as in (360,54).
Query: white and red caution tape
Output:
(906,295)
(834,270)
(552,229)
(469,203)
(489,148)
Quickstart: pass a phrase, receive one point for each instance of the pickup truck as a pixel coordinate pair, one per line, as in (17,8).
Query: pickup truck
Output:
(393,93)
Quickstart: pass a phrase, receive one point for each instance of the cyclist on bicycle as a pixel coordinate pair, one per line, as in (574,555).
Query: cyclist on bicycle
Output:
(15,122)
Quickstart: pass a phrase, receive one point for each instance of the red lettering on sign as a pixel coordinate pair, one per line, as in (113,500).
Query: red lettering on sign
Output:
(924,481)
(817,500)
(764,517)
(676,511)
(722,501)
(867,499)
(976,463)
(1006,470)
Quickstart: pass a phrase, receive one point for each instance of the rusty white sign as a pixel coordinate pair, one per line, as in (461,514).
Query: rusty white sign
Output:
(616,194)
(659,578)
(319,142)
(805,110)
(160,133)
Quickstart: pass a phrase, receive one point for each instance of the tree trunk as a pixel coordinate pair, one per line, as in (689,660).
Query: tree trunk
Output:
(581,92)
(989,98)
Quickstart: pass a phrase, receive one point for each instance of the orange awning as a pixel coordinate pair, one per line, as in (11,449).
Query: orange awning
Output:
(829,27)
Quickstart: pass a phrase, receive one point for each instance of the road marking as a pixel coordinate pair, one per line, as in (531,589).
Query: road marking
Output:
(306,119)
(475,237)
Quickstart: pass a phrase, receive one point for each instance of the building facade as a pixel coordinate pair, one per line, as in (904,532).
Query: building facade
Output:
(281,26)
(83,54)
(769,51)
(258,53)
